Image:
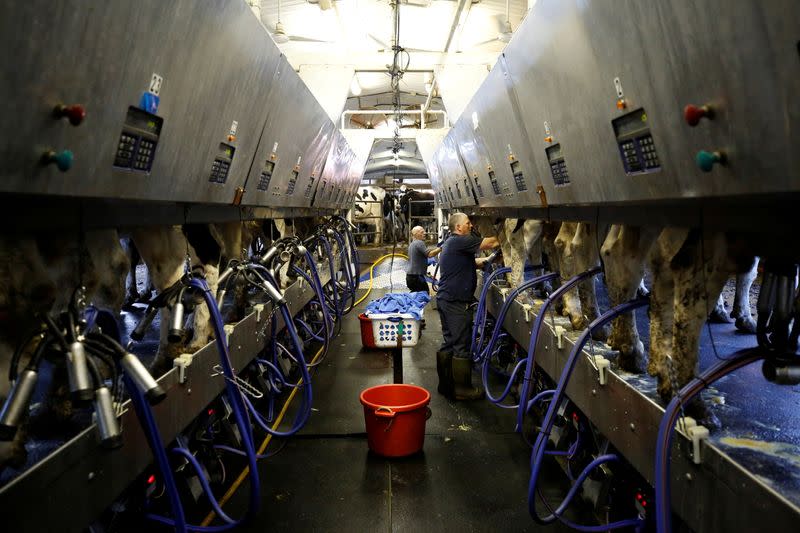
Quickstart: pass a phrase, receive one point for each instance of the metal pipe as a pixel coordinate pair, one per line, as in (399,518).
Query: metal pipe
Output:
(348,112)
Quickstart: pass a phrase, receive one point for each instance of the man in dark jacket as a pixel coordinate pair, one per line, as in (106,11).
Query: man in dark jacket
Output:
(457,283)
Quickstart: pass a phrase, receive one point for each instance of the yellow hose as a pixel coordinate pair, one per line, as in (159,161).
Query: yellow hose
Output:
(239,480)
(235,486)
(370,274)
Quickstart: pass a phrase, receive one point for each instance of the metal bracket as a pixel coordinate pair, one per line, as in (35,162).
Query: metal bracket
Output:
(684,423)
(528,310)
(602,365)
(697,434)
(182,362)
(229,328)
(560,331)
(258,308)
(504,292)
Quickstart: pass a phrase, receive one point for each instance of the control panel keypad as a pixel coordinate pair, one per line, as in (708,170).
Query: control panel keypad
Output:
(266,176)
(136,149)
(222,164)
(558,166)
(636,146)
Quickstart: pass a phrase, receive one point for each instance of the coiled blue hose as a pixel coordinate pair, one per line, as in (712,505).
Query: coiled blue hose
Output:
(537,326)
(667,425)
(480,313)
(539,447)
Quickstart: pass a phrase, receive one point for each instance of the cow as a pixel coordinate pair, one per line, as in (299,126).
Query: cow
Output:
(576,249)
(368,214)
(38,273)
(624,252)
(165,250)
(132,294)
(740,313)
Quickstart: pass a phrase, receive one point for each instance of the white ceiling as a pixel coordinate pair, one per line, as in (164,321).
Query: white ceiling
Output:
(358,34)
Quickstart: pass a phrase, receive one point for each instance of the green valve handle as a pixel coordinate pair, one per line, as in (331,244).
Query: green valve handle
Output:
(400,328)
(62,159)
(705,160)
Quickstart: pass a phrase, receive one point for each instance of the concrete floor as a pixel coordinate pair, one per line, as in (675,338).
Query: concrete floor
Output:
(472,474)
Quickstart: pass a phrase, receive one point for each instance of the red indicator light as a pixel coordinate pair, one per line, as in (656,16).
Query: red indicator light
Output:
(151,479)
(575,416)
(644,503)
(639,497)
(211,412)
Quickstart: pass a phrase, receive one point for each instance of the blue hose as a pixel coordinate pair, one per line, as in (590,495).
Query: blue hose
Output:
(480,313)
(537,326)
(540,445)
(501,315)
(146,419)
(665,428)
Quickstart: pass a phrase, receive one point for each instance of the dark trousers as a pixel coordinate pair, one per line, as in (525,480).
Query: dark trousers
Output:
(416,283)
(456,327)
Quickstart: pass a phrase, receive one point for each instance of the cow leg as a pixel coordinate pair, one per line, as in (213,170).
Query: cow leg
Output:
(623,257)
(719,315)
(741,302)
(532,234)
(660,311)
(698,280)
(566,260)
(550,251)
(584,247)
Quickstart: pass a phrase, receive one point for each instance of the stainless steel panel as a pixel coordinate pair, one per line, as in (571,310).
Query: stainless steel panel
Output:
(563,64)
(717,495)
(494,137)
(666,55)
(454,171)
(215,59)
(336,167)
(477,162)
(297,131)
(82,479)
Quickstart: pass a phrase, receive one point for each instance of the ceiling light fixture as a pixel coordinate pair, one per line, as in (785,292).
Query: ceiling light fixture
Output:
(279,35)
(508,31)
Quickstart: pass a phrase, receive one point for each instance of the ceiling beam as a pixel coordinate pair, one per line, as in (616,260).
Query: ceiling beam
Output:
(462,5)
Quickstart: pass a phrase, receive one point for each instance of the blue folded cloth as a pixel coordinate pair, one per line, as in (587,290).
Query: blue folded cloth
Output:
(407,302)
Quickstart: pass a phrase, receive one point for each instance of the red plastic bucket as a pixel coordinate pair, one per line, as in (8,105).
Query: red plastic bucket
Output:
(367,339)
(395,416)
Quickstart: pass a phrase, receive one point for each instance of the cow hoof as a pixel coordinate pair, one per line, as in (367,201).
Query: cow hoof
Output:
(130,299)
(719,316)
(746,325)
(600,334)
(12,454)
(633,361)
(703,414)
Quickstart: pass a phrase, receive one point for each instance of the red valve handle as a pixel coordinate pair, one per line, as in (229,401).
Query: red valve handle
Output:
(692,114)
(75,113)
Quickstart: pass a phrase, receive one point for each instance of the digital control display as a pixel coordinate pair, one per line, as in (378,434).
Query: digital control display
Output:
(310,186)
(558,167)
(266,176)
(636,146)
(292,183)
(478,187)
(519,179)
(495,185)
(222,164)
(136,149)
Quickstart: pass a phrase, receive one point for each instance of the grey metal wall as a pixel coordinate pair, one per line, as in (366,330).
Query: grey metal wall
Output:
(552,101)
(218,66)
